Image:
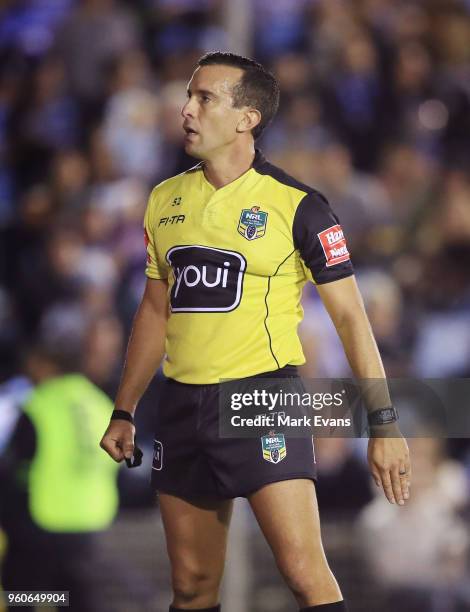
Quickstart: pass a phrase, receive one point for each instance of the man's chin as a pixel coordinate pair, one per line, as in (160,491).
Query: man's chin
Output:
(191,150)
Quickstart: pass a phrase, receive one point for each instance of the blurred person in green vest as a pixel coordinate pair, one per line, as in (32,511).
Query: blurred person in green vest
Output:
(57,490)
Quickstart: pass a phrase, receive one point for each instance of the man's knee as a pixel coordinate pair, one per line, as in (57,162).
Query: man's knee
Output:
(298,574)
(193,584)
(306,572)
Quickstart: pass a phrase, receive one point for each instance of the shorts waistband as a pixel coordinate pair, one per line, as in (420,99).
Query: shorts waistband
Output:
(287,371)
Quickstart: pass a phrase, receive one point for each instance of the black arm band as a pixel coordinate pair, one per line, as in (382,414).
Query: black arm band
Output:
(384,416)
(123,415)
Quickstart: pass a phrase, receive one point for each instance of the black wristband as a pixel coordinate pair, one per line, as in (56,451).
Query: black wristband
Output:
(384,416)
(123,415)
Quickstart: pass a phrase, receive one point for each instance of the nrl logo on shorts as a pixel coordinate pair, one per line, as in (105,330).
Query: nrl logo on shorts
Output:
(252,223)
(274,448)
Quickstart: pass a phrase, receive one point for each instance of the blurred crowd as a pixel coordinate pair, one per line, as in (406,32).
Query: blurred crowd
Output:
(375,113)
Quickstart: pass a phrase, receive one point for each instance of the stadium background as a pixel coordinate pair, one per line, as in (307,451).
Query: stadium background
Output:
(375,113)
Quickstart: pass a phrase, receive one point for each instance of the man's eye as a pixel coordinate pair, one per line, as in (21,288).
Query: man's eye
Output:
(205,99)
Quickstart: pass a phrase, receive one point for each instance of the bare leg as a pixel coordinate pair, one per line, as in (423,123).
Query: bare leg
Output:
(287,513)
(196,535)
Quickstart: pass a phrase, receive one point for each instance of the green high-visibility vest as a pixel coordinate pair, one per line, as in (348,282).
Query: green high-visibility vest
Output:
(72,482)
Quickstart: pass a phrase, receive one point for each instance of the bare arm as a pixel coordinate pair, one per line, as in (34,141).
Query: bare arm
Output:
(388,456)
(144,354)
(344,304)
(146,345)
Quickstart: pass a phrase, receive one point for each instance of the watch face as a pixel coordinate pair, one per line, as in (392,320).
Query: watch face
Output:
(383,416)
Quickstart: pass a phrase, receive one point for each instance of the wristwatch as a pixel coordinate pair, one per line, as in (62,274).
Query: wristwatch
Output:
(384,416)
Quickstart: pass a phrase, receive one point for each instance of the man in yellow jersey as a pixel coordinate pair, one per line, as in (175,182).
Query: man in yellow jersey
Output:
(230,244)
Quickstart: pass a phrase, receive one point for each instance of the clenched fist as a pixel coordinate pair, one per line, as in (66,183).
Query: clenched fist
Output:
(118,440)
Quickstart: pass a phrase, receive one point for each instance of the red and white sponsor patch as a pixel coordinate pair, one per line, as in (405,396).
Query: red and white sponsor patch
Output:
(334,245)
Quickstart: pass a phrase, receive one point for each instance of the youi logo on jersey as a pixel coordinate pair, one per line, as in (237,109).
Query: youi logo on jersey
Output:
(334,245)
(206,279)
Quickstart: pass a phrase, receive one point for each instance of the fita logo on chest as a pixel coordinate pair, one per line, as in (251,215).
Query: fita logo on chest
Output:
(174,220)
(177,201)
(252,223)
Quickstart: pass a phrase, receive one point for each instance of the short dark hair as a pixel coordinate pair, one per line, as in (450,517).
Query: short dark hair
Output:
(257,87)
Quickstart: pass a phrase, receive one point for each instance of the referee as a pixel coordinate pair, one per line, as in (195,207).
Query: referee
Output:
(230,244)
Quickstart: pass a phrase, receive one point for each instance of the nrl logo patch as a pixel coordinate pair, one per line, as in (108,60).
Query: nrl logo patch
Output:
(252,223)
(274,448)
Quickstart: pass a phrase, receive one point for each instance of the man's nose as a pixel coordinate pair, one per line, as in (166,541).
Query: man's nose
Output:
(187,110)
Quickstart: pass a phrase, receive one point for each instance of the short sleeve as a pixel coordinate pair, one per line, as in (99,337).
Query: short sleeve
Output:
(152,268)
(319,238)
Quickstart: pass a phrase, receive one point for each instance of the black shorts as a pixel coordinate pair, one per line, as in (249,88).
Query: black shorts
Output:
(191,459)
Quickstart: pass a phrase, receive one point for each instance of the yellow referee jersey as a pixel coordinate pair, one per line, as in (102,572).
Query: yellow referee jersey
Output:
(236,259)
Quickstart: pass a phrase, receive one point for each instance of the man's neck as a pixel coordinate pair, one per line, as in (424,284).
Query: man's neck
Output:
(229,165)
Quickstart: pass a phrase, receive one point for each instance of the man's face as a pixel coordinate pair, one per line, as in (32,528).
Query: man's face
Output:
(210,120)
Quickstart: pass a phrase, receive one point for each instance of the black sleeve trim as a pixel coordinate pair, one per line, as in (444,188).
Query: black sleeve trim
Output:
(319,238)
(336,278)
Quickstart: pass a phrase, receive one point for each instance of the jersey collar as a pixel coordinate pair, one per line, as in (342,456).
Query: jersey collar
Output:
(258,161)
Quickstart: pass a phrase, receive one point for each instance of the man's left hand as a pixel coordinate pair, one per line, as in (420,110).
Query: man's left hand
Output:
(389,462)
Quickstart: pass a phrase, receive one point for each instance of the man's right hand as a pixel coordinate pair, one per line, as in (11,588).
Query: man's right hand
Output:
(118,440)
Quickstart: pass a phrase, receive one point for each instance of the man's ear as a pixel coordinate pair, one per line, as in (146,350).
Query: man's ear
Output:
(249,120)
